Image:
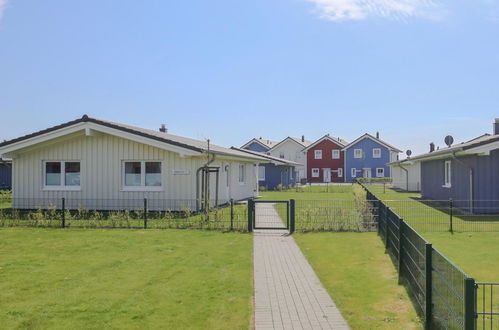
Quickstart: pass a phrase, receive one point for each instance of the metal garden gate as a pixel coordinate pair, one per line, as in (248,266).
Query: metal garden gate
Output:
(271,215)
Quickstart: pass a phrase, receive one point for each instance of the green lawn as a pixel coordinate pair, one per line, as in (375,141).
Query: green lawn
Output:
(326,208)
(360,278)
(331,192)
(431,215)
(52,278)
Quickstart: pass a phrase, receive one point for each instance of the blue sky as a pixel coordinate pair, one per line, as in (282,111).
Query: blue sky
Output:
(415,70)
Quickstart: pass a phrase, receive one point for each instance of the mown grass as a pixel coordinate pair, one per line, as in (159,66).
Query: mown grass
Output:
(118,279)
(326,208)
(430,215)
(360,278)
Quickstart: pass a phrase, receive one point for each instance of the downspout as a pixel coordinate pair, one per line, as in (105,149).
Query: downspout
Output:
(197,175)
(406,176)
(470,179)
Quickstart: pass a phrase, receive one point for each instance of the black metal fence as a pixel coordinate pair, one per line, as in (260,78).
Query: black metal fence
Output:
(487,309)
(443,294)
(448,215)
(114,213)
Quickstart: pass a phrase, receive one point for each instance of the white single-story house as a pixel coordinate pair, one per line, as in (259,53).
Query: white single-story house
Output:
(99,164)
(406,175)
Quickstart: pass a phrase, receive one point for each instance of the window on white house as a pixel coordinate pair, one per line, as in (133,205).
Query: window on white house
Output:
(315,173)
(281,155)
(447,173)
(142,174)
(340,172)
(353,172)
(153,174)
(380,172)
(62,175)
(336,154)
(261,173)
(357,153)
(242,173)
(318,154)
(376,153)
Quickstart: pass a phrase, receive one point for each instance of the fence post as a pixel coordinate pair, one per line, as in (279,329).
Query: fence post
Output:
(387,234)
(378,209)
(231,214)
(469,303)
(251,207)
(451,206)
(429,285)
(63,207)
(291,216)
(145,213)
(401,246)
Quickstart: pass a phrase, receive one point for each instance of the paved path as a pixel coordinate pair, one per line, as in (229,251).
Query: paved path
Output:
(288,293)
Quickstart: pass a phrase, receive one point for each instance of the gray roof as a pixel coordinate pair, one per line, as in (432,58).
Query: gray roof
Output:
(476,142)
(276,159)
(180,141)
(338,140)
(389,146)
(265,142)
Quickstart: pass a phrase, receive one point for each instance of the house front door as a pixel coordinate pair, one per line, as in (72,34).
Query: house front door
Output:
(326,174)
(366,172)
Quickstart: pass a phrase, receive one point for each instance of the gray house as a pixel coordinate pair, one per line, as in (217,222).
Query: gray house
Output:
(467,172)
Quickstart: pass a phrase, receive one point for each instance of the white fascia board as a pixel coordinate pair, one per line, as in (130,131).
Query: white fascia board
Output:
(90,129)
(42,138)
(249,159)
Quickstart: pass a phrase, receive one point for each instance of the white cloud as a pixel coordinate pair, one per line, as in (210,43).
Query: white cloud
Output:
(3,4)
(338,10)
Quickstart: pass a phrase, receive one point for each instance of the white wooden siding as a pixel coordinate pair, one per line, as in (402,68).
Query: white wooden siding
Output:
(101,160)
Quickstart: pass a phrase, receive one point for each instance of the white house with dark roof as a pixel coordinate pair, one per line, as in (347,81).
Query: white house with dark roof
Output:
(292,149)
(99,164)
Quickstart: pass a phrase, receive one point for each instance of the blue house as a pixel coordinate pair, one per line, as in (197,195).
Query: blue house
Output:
(278,172)
(260,145)
(466,172)
(5,174)
(367,157)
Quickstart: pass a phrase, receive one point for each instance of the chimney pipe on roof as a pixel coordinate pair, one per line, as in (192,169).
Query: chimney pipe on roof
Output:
(496,126)
(303,138)
(432,147)
(377,135)
(163,129)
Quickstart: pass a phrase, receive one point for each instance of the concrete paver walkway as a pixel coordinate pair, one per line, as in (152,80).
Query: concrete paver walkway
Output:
(288,293)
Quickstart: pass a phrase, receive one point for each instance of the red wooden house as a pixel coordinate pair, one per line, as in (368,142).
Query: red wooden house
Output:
(325,160)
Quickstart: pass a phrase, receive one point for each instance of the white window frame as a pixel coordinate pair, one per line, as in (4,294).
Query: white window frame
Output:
(317,154)
(281,155)
(335,154)
(340,172)
(357,153)
(142,186)
(382,175)
(261,170)
(315,172)
(353,172)
(62,186)
(447,174)
(378,154)
(242,174)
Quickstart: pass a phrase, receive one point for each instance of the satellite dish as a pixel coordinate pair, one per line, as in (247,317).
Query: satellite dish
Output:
(449,140)
(408,153)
